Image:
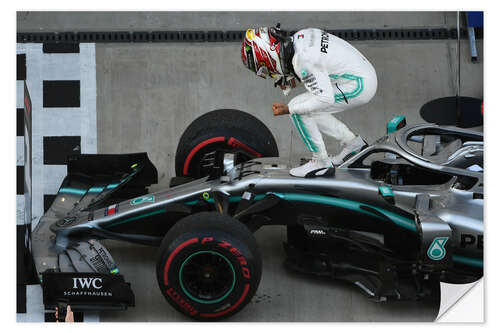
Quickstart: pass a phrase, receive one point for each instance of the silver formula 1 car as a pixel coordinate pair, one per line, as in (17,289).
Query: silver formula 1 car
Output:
(395,219)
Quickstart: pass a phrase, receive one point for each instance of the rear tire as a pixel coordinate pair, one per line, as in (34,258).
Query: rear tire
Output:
(222,130)
(209,266)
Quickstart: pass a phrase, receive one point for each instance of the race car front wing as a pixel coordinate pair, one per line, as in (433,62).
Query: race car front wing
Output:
(80,271)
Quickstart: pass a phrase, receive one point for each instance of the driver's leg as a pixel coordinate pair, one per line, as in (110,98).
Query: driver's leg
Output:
(310,134)
(333,127)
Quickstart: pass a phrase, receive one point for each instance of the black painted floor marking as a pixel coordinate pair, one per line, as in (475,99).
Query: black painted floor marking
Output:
(60,94)
(61,48)
(57,148)
(48,199)
(20,269)
(20,179)
(21,67)
(19,122)
(21,299)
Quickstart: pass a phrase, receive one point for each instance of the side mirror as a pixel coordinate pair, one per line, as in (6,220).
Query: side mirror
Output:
(396,123)
(386,193)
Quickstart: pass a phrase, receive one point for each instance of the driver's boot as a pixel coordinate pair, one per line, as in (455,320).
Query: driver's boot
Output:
(351,148)
(314,168)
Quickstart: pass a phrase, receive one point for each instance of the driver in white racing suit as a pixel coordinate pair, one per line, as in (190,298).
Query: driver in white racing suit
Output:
(337,78)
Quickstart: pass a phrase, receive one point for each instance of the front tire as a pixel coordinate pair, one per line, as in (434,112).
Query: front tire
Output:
(209,266)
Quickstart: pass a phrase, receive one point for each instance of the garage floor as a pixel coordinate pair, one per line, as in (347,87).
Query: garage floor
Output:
(282,295)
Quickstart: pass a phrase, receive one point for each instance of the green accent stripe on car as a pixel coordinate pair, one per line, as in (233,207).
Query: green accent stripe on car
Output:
(397,219)
(350,94)
(72,190)
(468,261)
(96,189)
(201,300)
(134,218)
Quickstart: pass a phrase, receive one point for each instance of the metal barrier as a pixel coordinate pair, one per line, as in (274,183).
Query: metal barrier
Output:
(229,36)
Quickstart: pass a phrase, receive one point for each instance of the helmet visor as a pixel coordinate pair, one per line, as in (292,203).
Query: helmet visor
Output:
(250,58)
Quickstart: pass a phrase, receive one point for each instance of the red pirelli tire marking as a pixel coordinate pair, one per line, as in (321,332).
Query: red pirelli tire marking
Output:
(235,305)
(181,302)
(236,143)
(173,254)
(197,148)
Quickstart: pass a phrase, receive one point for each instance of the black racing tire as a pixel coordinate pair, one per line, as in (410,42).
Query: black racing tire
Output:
(209,266)
(227,130)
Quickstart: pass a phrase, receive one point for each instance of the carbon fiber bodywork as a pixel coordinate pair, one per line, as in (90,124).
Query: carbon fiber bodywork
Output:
(410,204)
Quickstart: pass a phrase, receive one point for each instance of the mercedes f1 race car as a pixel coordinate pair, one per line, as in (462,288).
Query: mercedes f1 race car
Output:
(395,219)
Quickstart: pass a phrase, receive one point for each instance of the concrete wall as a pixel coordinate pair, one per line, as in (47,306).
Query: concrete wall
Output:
(147,94)
(223,20)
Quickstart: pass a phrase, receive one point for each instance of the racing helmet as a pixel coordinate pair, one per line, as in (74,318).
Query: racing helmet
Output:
(260,53)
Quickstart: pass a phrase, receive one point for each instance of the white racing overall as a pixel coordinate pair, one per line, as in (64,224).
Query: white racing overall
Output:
(337,78)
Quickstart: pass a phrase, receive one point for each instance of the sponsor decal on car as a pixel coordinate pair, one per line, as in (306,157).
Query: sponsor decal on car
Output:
(467,240)
(85,282)
(436,250)
(147,198)
(111,210)
(87,286)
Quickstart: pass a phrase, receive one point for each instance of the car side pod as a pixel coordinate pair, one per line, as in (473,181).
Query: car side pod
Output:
(436,251)
(396,123)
